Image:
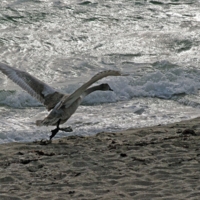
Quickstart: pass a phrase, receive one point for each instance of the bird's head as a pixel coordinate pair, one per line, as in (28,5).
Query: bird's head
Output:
(105,87)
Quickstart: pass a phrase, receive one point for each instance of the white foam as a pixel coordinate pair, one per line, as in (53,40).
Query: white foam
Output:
(18,99)
(163,82)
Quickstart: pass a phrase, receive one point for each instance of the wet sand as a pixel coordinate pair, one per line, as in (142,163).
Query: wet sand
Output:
(161,162)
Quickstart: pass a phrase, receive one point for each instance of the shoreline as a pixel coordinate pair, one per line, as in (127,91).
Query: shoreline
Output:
(159,162)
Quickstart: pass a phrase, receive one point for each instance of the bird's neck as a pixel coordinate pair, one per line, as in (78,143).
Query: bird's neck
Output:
(92,89)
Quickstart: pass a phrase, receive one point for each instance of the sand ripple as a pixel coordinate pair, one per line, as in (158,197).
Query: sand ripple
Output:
(161,162)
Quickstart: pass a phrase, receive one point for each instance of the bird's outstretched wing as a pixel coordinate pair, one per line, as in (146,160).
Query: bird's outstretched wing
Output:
(32,85)
(68,100)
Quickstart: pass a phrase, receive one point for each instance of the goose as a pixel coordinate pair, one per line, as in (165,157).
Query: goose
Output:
(61,106)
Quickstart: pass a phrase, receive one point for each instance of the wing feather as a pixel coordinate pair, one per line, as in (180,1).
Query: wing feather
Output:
(32,85)
(68,100)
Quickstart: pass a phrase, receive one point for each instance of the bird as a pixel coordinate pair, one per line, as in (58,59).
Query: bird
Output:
(60,106)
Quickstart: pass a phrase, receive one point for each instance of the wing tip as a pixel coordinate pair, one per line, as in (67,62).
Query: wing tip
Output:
(119,73)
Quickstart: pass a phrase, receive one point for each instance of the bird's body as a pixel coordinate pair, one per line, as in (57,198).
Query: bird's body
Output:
(62,106)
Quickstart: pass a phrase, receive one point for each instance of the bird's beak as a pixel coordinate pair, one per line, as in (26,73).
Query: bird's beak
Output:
(110,89)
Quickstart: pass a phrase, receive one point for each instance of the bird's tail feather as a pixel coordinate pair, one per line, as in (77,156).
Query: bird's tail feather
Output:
(47,122)
(39,123)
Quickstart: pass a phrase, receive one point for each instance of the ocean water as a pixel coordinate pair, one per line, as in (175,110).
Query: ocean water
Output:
(64,43)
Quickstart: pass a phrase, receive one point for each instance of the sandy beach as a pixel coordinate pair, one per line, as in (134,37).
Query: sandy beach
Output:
(161,162)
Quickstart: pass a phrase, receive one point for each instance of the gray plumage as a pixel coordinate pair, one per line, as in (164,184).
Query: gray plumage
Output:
(62,106)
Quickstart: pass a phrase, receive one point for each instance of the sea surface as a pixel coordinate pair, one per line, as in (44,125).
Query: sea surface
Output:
(64,43)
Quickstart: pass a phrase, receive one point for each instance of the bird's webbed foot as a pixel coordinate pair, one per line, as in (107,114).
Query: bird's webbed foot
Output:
(67,129)
(54,131)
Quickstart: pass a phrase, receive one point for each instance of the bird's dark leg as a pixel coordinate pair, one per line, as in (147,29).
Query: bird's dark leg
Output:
(54,131)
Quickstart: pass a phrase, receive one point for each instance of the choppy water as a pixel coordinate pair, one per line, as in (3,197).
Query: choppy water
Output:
(64,43)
